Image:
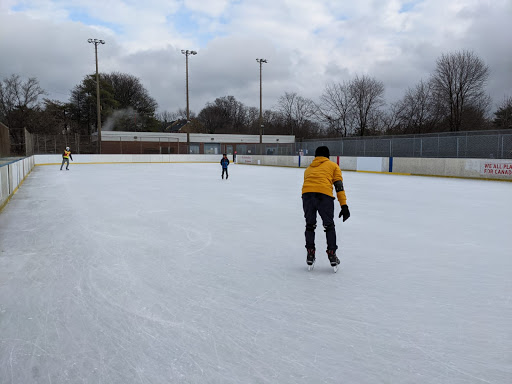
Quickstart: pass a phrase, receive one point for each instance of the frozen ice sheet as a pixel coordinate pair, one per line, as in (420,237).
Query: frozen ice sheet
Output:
(164,273)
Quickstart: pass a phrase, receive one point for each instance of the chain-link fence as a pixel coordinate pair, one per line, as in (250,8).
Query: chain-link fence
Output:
(47,144)
(476,145)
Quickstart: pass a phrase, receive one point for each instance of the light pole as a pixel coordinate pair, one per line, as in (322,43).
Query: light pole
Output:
(187,53)
(98,108)
(261,61)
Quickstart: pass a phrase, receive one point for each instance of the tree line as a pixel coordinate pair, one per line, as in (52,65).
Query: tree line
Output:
(452,98)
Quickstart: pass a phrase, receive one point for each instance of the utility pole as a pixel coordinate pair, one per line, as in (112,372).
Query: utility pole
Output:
(187,53)
(98,107)
(261,61)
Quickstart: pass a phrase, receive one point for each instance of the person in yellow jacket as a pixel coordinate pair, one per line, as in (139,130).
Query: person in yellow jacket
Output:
(319,179)
(65,158)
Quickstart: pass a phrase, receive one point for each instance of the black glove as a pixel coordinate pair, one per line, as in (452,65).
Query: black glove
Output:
(344,212)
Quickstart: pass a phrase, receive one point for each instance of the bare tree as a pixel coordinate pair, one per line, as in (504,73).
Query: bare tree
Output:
(337,108)
(16,95)
(168,117)
(390,120)
(458,83)
(368,96)
(297,112)
(418,111)
(18,105)
(503,116)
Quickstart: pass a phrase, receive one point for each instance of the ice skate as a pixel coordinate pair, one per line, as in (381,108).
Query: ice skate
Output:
(333,259)
(310,259)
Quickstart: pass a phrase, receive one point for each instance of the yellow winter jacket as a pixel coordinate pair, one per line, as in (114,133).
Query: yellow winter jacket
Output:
(320,176)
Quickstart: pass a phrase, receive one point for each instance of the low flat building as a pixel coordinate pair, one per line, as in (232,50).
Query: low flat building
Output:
(119,142)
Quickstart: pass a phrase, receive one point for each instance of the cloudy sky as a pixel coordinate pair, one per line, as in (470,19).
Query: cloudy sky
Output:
(307,43)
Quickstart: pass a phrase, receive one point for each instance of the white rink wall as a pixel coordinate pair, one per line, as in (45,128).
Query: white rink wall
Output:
(470,168)
(12,175)
(464,168)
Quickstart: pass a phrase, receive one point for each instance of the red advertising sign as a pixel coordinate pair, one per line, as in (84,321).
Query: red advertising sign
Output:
(495,168)
(245,159)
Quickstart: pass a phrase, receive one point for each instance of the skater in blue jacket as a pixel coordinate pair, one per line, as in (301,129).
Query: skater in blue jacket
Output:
(224,162)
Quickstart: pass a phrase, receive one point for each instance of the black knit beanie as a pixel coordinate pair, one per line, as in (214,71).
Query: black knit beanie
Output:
(322,151)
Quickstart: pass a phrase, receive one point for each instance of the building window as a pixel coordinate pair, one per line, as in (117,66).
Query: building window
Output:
(194,149)
(212,149)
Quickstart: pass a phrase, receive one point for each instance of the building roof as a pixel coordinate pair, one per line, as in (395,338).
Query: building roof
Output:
(194,137)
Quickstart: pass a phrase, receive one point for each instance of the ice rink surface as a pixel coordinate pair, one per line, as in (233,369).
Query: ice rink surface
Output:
(164,273)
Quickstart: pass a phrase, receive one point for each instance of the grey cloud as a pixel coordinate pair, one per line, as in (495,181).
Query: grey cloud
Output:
(397,49)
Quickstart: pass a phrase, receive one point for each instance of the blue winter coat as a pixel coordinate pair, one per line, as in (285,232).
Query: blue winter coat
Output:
(224,162)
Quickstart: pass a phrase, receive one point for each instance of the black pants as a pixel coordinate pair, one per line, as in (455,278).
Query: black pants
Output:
(225,170)
(324,205)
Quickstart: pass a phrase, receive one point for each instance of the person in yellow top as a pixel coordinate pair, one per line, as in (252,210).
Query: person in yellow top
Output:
(65,158)
(319,179)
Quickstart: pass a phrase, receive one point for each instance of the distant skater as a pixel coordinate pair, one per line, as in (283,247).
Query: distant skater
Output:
(224,162)
(234,157)
(317,196)
(65,158)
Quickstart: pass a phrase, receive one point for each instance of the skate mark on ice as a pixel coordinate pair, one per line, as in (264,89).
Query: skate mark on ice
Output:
(447,365)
